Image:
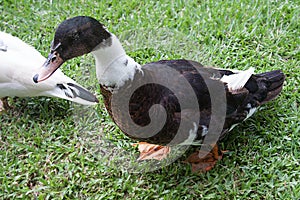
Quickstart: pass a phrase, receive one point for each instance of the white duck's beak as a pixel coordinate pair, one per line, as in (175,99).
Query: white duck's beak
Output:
(53,62)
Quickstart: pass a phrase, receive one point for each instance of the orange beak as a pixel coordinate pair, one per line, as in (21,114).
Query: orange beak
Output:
(53,62)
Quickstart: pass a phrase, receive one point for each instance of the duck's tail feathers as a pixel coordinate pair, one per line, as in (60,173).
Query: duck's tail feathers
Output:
(274,82)
(75,93)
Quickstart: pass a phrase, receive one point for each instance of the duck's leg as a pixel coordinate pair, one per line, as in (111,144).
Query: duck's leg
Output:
(202,161)
(152,151)
(4,104)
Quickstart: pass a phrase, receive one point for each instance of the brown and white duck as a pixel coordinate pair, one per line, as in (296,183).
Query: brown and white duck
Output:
(187,92)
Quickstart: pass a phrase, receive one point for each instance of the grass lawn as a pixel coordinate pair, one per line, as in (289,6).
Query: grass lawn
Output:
(44,151)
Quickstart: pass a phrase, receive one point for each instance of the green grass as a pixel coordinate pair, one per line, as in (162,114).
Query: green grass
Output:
(43,153)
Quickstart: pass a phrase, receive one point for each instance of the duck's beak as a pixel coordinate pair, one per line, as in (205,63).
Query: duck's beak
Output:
(53,62)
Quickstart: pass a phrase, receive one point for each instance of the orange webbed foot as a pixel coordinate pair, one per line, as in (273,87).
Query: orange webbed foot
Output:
(152,151)
(204,161)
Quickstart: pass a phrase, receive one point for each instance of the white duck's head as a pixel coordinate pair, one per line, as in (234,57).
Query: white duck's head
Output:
(74,37)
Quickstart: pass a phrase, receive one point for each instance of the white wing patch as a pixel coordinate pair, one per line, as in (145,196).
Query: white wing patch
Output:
(237,81)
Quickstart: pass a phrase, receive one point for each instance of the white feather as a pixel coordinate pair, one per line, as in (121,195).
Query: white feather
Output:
(237,81)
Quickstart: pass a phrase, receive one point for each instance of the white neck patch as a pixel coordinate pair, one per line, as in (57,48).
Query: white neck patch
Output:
(113,66)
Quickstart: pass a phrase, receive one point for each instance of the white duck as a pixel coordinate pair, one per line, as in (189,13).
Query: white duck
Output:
(19,62)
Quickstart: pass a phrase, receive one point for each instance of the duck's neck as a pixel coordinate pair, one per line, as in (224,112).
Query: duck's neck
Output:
(113,66)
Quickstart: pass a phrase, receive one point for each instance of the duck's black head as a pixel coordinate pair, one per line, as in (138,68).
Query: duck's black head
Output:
(77,36)
(73,37)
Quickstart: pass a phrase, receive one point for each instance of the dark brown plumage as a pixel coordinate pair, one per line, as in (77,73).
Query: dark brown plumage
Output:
(166,102)
(258,90)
